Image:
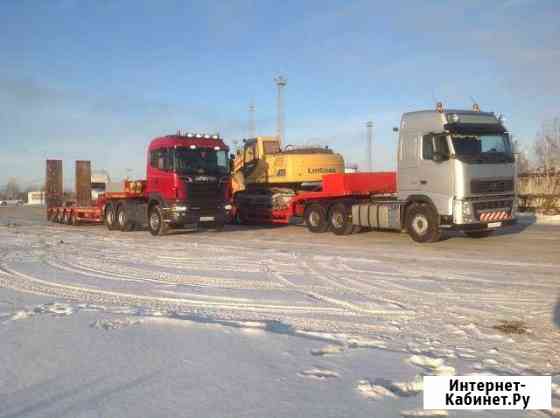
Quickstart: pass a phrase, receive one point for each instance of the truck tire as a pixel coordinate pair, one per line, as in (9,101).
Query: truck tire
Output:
(422,223)
(479,234)
(123,219)
(110,217)
(315,217)
(339,219)
(156,225)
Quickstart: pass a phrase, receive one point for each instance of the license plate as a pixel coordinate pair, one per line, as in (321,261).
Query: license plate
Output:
(206,218)
(494,224)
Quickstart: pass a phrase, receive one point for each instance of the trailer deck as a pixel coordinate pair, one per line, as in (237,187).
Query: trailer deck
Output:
(335,187)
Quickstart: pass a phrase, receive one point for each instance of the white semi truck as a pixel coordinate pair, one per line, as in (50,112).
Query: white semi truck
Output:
(456,170)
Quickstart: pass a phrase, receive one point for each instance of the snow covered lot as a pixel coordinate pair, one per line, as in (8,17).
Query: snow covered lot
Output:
(257,322)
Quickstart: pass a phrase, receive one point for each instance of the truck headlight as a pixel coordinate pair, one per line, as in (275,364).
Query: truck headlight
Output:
(463,212)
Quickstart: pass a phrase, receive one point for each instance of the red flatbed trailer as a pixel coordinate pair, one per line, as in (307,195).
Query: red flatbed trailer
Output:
(72,214)
(339,188)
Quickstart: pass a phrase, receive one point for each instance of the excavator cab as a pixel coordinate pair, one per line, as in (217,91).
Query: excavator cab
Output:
(251,157)
(262,164)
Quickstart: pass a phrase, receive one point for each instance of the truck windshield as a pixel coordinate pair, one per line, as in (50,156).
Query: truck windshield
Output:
(486,148)
(200,161)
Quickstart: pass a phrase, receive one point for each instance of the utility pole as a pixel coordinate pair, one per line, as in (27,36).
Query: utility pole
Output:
(369,126)
(252,123)
(280,83)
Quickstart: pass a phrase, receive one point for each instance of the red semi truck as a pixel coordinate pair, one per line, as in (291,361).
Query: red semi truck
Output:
(187,183)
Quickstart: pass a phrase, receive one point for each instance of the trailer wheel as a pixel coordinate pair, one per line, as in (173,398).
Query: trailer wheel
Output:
(479,234)
(123,220)
(155,221)
(422,223)
(339,219)
(110,217)
(315,217)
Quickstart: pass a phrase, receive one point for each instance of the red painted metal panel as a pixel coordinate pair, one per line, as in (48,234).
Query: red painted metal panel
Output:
(360,183)
(335,186)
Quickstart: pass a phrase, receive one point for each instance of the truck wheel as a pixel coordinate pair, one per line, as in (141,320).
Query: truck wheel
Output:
(479,234)
(110,217)
(155,221)
(422,223)
(123,219)
(339,220)
(315,217)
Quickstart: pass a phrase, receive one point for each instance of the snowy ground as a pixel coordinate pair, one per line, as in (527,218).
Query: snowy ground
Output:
(257,322)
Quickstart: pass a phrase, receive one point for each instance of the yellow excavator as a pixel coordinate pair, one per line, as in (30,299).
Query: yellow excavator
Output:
(265,174)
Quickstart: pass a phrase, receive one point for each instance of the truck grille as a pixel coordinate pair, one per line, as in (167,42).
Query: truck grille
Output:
(491,186)
(205,196)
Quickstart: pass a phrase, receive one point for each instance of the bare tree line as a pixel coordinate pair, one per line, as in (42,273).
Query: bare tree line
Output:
(539,179)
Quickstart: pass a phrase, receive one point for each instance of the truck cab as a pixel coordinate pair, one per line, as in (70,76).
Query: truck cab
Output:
(187,180)
(458,166)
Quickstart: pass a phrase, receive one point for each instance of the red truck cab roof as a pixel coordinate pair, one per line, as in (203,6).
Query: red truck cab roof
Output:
(186,140)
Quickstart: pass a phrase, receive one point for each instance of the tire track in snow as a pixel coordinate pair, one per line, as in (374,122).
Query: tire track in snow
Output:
(106,296)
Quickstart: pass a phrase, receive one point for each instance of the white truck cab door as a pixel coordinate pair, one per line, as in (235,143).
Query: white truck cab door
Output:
(408,183)
(435,171)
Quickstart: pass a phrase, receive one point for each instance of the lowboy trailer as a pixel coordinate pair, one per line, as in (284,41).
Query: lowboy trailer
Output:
(312,206)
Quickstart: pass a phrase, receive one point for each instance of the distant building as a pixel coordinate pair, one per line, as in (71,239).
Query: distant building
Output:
(99,181)
(36,198)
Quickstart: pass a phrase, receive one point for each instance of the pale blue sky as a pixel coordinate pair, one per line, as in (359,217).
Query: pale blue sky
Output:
(98,79)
